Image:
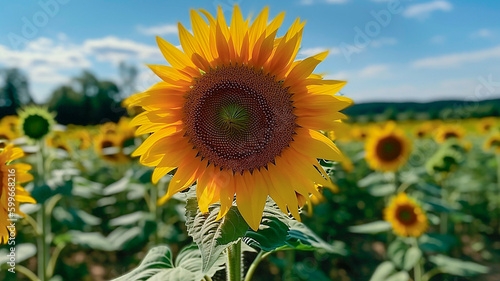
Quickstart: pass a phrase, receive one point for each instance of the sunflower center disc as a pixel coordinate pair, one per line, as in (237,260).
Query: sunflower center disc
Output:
(239,118)
(406,215)
(389,149)
(450,135)
(36,126)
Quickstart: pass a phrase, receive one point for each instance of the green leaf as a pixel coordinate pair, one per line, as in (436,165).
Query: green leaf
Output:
(400,276)
(273,229)
(22,253)
(158,266)
(371,227)
(128,219)
(411,258)
(300,237)
(116,187)
(371,179)
(383,271)
(381,190)
(458,267)
(432,242)
(213,236)
(397,251)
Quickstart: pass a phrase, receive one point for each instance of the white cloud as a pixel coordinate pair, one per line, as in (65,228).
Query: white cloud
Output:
(482,33)
(113,49)
(438,39)
(43,59)
(374,71)
(458,59)
(423,10)
(307,52)
(384,41)
(159,30)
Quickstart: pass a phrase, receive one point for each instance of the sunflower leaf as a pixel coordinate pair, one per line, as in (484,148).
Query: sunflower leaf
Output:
(213,236)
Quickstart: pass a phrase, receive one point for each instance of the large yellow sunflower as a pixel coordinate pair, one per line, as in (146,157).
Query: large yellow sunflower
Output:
(406,216)
(387,148)
(11,176)
(238,115)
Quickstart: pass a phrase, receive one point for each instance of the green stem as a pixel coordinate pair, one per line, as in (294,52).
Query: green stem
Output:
(253,266)
(26,272)
(417,269)
(443,226)
(41,217)
(290,261)
(233,265)
(207,278)
(154,210)
(433,272)
(53,259)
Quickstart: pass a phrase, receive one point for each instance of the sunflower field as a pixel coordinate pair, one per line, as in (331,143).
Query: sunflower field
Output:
(240,165)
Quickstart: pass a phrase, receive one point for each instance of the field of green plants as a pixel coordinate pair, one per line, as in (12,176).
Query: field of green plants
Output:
(96,216)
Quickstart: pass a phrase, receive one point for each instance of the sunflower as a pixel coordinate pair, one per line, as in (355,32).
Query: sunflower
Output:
(485,125)
(359,133)
(58,140)
(493,143)
(11,176)
(236,114)
(35,122)
(387,148)
(446,132)
(82,137)
(11,122)
(424,130)
(109,147)
(406,216)
(6,135)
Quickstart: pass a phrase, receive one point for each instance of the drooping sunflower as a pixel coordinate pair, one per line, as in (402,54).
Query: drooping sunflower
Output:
(238,115)
(388,148)
(447,131)
(11,177)
(35,122)
(486,125)
(492,143)
(406,216)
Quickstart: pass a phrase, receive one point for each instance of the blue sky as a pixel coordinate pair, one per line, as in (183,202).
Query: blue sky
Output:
(387,50)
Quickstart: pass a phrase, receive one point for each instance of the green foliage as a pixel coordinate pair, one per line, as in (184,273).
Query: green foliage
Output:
(158,265)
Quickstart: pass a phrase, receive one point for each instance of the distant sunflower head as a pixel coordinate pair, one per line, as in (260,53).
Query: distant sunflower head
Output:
(6,135)
(237,114)
(424,130)
(35,122)
(406,216)
(387,149)
(11,122)
(12,175)
(82,138)
(359,133)
(59,140)
(109,148)
(446,132)
(492,143)
(486,125)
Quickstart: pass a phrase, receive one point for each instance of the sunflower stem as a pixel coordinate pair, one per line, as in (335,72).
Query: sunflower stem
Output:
(254,265)
(233,264)
(41,217)
(417,269)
